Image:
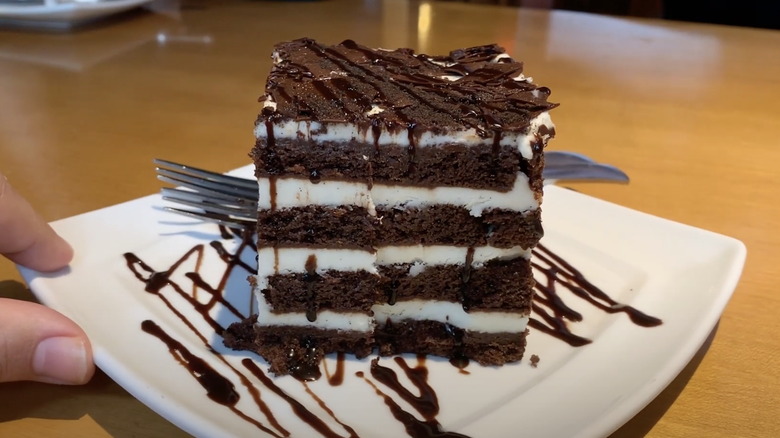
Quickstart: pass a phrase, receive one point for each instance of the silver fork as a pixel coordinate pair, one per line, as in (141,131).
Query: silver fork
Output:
(232,201)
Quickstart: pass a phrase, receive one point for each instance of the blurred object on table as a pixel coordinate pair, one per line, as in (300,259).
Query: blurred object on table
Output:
(61,15)
(81,51)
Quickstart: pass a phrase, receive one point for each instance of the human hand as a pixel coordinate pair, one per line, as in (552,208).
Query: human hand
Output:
(37,343)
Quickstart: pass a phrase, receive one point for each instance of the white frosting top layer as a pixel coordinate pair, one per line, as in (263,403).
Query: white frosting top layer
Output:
(298,192)
(343,132)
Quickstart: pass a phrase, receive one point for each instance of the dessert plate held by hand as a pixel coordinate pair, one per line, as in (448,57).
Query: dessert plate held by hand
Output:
(162,343)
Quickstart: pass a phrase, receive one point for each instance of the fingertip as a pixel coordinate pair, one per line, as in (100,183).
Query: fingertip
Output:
(48,254)
(60,253)
(64,360)
(27,239)
(40,344)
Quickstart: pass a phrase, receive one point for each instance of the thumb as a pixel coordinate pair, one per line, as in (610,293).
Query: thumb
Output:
(40,344)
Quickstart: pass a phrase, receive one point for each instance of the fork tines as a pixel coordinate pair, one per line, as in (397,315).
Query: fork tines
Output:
(226,200)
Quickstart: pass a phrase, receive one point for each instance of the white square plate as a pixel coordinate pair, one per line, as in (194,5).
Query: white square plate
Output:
(680,274)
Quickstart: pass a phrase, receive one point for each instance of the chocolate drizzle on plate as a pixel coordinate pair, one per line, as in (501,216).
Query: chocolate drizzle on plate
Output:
(553,311)
(337,378)
(426,403)
(300,410)
(216,373)
(218,387)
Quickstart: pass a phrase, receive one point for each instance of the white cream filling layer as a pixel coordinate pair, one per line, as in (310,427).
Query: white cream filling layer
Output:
(344,132)
(415,310)
(298,192)
(283,261)
(326,320)
(450,313)
(445,255)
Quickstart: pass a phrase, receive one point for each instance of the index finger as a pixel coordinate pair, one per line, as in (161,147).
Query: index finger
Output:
(25,237)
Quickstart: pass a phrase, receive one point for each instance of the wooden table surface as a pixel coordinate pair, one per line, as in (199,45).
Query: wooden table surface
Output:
(691,112)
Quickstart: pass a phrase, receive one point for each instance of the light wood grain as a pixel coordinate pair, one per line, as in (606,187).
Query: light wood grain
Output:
(690,111)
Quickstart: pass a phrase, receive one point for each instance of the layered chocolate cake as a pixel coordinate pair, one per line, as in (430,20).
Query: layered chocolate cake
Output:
(399,202)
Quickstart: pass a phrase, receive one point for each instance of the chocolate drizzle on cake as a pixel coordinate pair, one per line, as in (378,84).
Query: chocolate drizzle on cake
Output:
(408,151)
(304,362)
(309,277)
(465,277)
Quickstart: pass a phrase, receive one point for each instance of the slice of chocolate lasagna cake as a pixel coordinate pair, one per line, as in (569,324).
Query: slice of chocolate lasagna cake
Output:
(399,202)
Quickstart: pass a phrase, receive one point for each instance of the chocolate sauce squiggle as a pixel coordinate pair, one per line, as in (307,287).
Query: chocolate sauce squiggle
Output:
(304,414)
(415,428)
(427,403)
(324,406)
(156,280)
(337,378)
(218,387)
(561,273)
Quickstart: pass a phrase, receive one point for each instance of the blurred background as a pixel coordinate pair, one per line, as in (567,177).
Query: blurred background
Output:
(753,13)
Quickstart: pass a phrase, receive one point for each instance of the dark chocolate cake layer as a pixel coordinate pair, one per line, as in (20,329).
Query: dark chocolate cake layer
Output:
(353,227)
(439,339)
(502,285)
(346,226)
(499,285)
(293,350)
(454,165)
(450,225)
(332,290)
